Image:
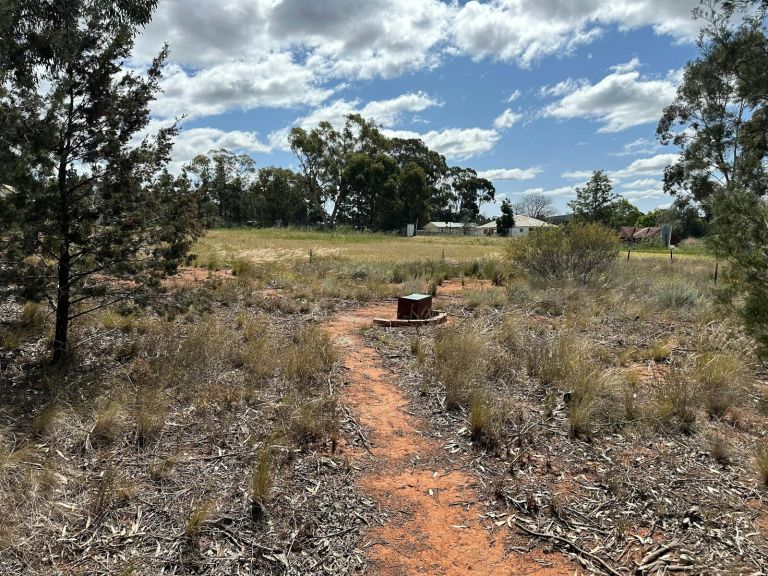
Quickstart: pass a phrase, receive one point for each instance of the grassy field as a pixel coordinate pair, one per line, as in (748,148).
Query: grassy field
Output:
(222,246)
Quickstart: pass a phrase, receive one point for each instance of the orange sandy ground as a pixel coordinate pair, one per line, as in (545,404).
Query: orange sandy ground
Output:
(434,526)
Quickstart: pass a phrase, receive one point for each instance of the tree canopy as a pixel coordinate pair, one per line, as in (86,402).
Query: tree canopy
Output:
(535,205)
(595,201)
(354,176)
(90,211)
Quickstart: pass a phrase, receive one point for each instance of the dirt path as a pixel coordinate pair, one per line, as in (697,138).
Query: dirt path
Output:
(434,526)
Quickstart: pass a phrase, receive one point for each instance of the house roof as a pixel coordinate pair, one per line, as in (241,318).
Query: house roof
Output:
(450,225)
(521,222)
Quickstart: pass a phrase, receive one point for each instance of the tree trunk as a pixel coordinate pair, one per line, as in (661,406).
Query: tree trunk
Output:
(62,309)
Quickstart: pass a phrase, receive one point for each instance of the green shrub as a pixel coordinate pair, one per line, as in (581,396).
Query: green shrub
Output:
(581,253)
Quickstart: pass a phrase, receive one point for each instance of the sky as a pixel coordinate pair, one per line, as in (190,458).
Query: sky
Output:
(533,94)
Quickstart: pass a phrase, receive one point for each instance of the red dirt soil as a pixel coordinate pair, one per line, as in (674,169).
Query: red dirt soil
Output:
(434,526)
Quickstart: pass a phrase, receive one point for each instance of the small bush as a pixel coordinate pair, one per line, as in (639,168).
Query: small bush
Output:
(551,357)
(479,417)
(150,414)
(587,389)
(485,298)
(722,378)
(108,424)
(675,294)
(244,268)
(33,317)
(312,421)
(581,253)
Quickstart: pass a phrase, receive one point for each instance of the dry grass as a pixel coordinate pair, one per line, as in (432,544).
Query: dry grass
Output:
(261,484)
(459,362)
(761,460)
(272,245)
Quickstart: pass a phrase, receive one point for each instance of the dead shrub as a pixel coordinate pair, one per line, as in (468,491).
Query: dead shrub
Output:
(151,410)
(47,420)
(722,379)
(113,490)
(197,517)
(550,357)
(486,419)
(588,397)
(723,367)
(260,358)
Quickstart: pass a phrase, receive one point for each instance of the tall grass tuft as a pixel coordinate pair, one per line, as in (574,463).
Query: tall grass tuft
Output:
(261,485)
(459,362)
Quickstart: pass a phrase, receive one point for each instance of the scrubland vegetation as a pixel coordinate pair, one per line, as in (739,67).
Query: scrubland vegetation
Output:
(206,413)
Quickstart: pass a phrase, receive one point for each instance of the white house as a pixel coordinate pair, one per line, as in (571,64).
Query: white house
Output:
(523,225)
(450,228)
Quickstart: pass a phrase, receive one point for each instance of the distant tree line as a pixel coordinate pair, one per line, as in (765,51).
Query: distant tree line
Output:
(354,176)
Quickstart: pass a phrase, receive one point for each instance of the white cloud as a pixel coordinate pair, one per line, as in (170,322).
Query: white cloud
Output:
(644,194)
(524,31)
(454,143)
(653,166)
(633,64)
(644,170)
(514,96)
(619,101)
(275,82)
(637,147)
(386,113)
(577,175)
(340,38)
(641,183)
(190,143)
(510,173)
(506,120)
(562,88)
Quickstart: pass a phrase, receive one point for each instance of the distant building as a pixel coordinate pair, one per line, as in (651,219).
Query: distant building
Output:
(523,225)
(646,234)
(451,228)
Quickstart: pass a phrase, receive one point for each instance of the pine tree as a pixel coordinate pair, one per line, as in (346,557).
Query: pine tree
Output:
(595,201)
(93,217)
(507,219)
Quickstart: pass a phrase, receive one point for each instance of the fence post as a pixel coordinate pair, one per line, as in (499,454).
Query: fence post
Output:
(717,265)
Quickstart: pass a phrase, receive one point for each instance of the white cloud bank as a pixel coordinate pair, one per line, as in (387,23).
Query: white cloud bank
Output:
(621,100)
